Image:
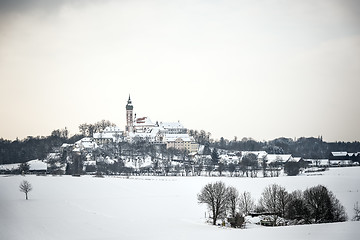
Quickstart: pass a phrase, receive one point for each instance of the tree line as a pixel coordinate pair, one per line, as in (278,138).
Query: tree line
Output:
(314,205)
(30,148)
(309,148)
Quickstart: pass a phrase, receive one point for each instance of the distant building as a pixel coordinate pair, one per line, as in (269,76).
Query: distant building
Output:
(86,144)
(181,141)
(37,166)
(109,135)
(277,158)
(338,159)
(171,134)
(129,116)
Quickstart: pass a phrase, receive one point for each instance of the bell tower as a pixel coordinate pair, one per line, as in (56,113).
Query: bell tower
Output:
(129,116)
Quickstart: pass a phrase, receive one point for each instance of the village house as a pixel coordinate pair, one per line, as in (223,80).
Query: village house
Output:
(339,159)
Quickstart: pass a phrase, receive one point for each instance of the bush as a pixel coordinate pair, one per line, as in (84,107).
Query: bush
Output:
(237,221)
(292,168)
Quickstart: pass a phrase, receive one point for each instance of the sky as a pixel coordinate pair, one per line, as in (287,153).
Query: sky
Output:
(244,68)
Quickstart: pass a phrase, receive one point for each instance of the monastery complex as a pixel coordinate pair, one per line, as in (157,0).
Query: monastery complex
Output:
(171,134)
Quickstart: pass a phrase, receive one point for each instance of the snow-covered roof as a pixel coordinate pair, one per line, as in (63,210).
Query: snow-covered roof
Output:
(174,137)
(36,165)
(278,158)
(339,154)
(171,125)
(320,162)
(109,133)
(147,134)
(86,143)
(340,162)
(177,139)
(229,158)
(64,145)
(115,136)
(295,159)
(143,121)
(11,166)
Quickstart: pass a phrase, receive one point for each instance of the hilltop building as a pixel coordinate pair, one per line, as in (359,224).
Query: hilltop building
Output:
(109,135)
(172,134)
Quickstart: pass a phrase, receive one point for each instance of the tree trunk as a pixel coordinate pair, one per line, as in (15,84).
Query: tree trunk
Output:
(214,217)
(26,196)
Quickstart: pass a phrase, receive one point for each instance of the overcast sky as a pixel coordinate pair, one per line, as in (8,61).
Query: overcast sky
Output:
(245,68)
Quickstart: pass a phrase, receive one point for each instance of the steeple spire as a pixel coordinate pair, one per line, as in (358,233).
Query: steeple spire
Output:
(129,105)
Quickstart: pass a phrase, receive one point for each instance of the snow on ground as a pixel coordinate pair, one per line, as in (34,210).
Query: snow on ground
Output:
(66,207)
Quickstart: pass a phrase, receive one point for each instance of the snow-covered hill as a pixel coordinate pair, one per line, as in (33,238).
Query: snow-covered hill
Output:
(152,207)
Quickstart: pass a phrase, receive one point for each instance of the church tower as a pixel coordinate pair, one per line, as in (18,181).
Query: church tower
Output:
(129,116)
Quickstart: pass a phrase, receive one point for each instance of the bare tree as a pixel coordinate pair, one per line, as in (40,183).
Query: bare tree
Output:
(297,208)
(209,169)
(357,212)
(231,167)
(283,200)
(233,200)
(221,168)
(246,202)
(25,187)
(274,200)
(215,196)
(323,205)
(249,164)
(264,167)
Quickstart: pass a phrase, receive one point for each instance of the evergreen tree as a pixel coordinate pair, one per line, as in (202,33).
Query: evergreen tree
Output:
(292,168)
(24,167)
(215,156)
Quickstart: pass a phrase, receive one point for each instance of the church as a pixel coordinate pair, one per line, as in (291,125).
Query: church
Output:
(171,134)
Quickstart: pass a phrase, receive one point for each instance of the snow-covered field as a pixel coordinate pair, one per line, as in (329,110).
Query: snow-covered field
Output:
(65,207)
